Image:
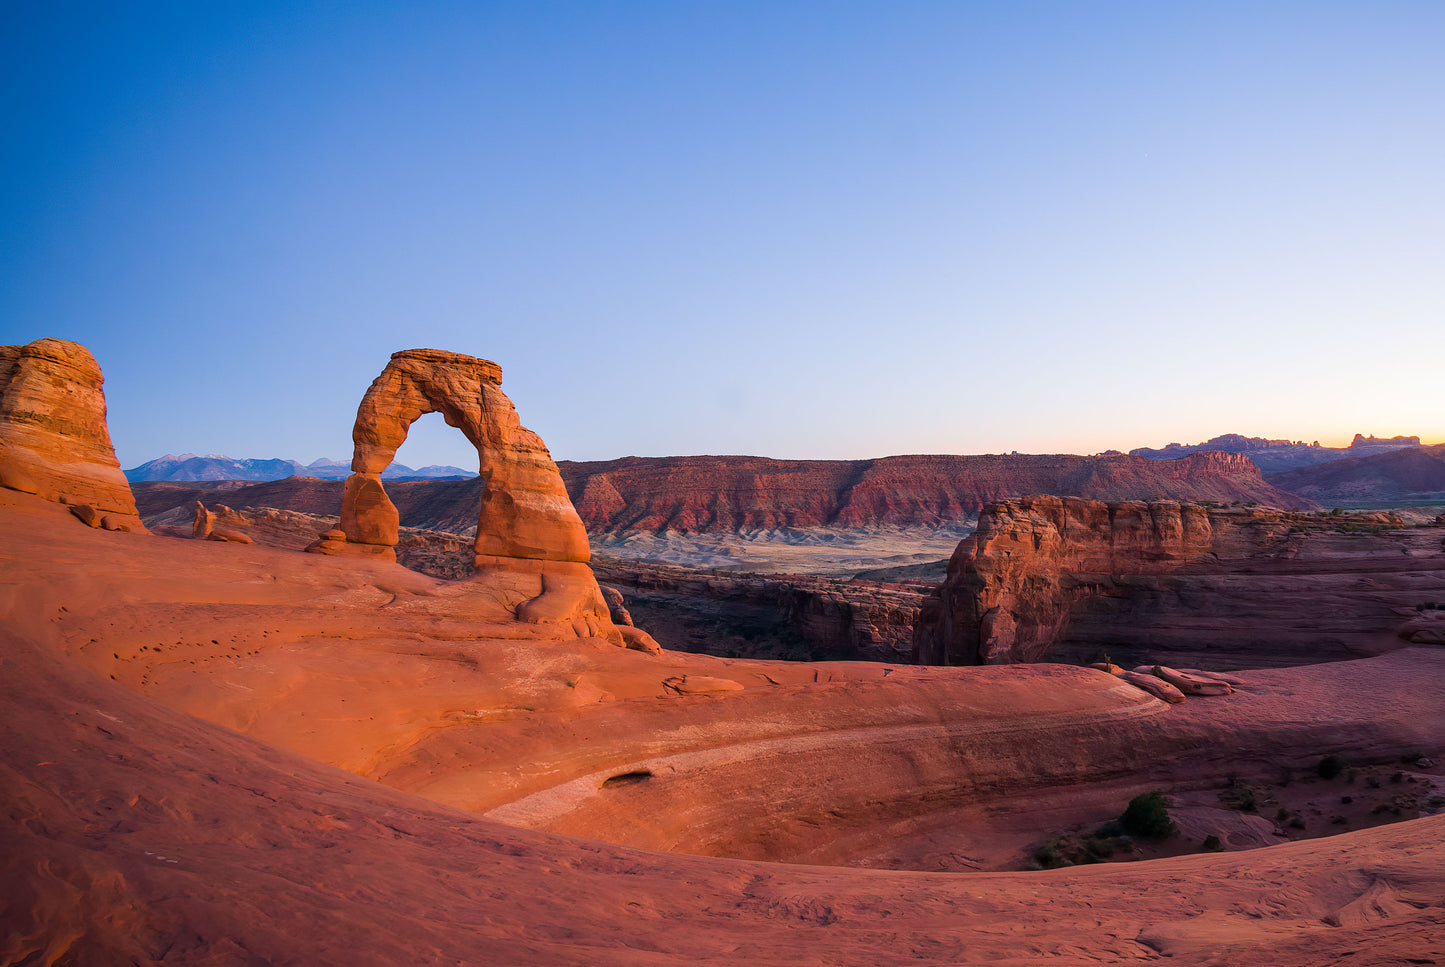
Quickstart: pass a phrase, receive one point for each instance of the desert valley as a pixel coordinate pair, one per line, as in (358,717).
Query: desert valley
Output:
(1182,705)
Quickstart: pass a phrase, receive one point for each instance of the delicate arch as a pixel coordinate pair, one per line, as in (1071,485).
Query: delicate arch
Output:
(525,512)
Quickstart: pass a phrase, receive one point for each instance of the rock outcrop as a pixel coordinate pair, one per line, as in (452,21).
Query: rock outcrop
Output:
(54,441)
(528,533)
(1050,579)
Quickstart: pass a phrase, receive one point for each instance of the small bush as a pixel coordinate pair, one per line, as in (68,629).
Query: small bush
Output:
(1330,767)
(1147,816)
(1239,796)
(1212,844)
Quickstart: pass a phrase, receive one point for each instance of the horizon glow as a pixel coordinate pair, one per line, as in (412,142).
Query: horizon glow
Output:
(813,231)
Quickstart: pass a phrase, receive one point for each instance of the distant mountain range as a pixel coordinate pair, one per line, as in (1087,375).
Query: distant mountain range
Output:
(1274,456)
(188,466)
(1400,473)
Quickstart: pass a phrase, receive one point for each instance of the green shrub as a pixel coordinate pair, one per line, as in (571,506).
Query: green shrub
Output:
(1212,844)
(1147,816)
(1330,767)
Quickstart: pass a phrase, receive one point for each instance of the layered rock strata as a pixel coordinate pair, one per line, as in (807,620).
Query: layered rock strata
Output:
(1051,579)
(527,530)
(707,494)
(739,615)
(54,441)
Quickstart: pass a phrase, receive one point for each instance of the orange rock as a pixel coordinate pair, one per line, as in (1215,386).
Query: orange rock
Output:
(54,442)
(367,515)
(202,523)
(701,684)
(529,537)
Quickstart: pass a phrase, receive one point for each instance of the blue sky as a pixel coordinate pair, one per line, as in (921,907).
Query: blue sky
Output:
(793,229)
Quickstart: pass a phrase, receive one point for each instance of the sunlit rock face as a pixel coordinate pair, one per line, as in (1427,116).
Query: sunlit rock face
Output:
(527,530)
(53,437)
(1066,579)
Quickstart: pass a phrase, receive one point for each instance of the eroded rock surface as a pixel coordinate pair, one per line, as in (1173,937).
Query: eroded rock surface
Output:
(1066,579)
(528,534)
(54,441)
(706,494)
(741,615)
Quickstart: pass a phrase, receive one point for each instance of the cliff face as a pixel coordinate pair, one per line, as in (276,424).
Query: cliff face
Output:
(1049,579)
(795,617)
(1011,583)
(732,494)
(704,494)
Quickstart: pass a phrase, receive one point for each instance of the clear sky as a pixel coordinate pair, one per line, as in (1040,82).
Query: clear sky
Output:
(794,229)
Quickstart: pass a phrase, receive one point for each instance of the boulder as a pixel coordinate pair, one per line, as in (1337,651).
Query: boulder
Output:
(1154,686)
(616,606)
(1187,683)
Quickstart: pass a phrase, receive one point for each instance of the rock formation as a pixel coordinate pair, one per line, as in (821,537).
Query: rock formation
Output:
(1050,579)
(54,441)
(527,530)
(709,494)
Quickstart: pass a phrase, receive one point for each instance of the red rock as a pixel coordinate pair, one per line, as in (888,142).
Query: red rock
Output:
(367,515)
(526,526)
(54,442)
(1190,684)
(701,684)
(1050,579)
(616,606)
(1154,686)
(706,494)
(229,536)
(86,514)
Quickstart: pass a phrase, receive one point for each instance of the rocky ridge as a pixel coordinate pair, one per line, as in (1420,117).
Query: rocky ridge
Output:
(702,494)
(1274,456)
(1405,474)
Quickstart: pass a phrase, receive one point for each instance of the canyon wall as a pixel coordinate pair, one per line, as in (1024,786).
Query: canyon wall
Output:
(702,494)
(1050,579)
(732,494)
(793,617)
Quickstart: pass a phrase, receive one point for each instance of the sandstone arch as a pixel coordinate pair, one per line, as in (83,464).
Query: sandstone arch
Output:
(529,537)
